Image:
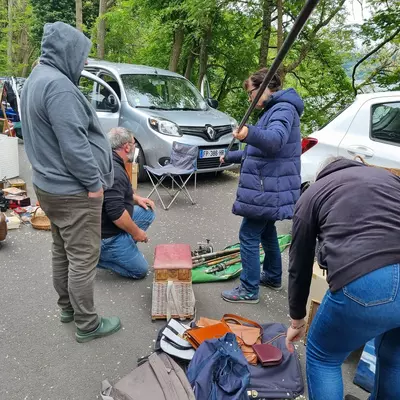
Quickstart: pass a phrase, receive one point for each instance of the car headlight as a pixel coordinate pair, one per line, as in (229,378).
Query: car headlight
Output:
(164,126)
(234,124)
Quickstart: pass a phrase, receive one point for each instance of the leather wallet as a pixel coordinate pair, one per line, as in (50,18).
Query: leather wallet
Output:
(267,354)
(197,336)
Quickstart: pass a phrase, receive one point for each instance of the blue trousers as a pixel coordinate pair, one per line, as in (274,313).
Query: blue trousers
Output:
(121,254)
(252,233)
(367,308)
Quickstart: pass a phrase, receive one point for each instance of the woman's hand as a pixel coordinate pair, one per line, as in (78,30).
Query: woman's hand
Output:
(295,332)
(242,134)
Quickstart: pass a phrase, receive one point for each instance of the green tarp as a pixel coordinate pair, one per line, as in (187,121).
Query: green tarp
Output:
(200,276)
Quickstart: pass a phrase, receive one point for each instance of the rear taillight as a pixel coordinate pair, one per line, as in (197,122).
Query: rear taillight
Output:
(307,144)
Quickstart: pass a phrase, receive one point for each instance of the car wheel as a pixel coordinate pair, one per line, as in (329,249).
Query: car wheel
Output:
(142,174)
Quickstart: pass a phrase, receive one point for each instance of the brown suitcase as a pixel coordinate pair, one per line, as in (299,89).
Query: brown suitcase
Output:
(3,227)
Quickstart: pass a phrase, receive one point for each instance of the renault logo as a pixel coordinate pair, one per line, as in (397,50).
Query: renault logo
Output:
(210,132)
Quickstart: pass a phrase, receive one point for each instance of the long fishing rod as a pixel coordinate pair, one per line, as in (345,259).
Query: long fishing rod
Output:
(287,44)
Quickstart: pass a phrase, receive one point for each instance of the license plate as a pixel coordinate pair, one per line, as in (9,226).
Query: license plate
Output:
(212,153)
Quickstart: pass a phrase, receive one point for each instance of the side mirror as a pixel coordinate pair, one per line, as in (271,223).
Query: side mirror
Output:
(212,103)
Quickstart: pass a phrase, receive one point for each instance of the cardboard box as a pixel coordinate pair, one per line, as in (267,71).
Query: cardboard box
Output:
(9,161)
(134,178)
(318,288)
(17,183)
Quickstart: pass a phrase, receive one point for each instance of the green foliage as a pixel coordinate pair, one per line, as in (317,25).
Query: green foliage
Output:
(51,11)
(143,32)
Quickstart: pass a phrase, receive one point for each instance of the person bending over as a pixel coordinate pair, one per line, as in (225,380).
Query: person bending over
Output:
(354,211)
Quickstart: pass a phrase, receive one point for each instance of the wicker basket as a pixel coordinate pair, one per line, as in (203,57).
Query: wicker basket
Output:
(392,170)
(40,220)
(184,296)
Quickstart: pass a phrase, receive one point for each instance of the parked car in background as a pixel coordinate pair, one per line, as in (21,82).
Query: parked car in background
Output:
(160,107)
(369,127)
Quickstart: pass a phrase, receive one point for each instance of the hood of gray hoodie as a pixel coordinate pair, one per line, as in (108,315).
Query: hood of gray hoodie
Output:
(63,137)
(65,48)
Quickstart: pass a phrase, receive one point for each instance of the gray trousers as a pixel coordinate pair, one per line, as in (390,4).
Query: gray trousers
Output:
(76,229)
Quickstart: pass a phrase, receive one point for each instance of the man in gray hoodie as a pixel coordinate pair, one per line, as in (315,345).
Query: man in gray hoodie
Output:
(72,163)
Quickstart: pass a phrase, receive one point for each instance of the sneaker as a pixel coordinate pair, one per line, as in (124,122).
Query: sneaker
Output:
(240,295)
(107,327)
(66,316)
(267,283)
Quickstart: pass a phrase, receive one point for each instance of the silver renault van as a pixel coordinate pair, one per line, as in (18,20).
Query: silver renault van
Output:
(160,107)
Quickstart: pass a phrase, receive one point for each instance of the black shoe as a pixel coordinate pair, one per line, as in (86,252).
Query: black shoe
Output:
(350,397)
(268,284)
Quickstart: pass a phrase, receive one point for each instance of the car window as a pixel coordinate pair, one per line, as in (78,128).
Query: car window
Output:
(162,92)
(385,122)
(112,82)
(98,96)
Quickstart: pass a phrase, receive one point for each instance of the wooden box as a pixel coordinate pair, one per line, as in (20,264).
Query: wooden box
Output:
(172,286)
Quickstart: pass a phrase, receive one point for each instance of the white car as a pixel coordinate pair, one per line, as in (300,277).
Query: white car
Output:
(369,127)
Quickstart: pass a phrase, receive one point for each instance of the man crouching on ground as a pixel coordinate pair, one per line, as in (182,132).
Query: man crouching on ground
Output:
(126,216)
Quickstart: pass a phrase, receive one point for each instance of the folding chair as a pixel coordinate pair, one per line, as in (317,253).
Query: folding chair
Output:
(183,161)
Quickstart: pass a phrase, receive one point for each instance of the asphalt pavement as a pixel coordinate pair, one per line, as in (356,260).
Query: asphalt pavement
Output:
(39,357)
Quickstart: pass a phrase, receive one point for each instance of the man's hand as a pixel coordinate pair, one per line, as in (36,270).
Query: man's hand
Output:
(222,159)
(140,236)
(242,134)
(99,193)
(144,202)
(295,332)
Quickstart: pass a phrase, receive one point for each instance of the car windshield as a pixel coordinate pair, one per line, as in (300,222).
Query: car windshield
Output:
(162,92)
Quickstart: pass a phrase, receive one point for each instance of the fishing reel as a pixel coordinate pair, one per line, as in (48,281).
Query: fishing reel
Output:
(203,248)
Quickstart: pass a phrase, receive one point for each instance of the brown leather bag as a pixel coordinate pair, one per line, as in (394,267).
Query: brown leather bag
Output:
(3,227)
(246,335)
(196,336)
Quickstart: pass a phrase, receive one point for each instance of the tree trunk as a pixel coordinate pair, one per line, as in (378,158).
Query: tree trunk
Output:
(280,25)
(189,65)
(78,15)
(265,32)
(101,29)
(222,90)
(10,36)
(179,35)
(205,41)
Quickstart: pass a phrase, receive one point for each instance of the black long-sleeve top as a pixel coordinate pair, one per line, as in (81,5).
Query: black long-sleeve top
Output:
(354,211)
(116,200)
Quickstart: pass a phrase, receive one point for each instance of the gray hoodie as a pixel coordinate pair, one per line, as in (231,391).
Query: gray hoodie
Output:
(64,141)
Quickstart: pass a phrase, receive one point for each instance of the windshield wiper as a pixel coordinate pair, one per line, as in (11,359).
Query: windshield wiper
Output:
(185,109)
(153,107)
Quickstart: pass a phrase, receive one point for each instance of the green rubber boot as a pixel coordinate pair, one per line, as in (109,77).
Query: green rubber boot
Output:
(66,316)
(107,327)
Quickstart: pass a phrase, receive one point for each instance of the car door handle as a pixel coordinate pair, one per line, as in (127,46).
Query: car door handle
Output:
(360,150)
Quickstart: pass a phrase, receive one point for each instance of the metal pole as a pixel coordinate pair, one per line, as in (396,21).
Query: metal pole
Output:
(287,44)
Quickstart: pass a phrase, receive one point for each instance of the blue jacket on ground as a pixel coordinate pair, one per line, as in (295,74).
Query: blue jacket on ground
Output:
(270,181)
(219,371)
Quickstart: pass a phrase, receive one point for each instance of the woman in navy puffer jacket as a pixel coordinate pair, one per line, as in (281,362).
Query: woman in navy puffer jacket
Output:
(269,184)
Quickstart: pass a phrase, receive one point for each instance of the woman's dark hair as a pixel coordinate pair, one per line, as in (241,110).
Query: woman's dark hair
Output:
(257,78)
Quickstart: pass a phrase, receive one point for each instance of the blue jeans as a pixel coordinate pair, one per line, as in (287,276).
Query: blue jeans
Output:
(366,308)
(121,254)
(252,233)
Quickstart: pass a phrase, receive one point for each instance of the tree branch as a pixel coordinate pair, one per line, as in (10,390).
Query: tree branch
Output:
(306,47)
(381,69)
(373,51)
